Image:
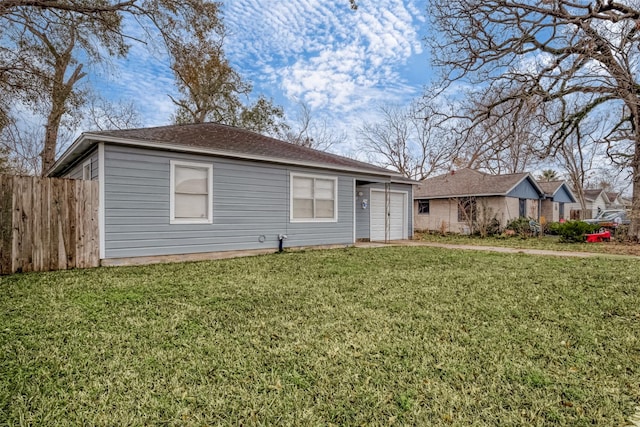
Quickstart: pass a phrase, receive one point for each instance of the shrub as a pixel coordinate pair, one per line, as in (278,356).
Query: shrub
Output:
(520,226)
(574,231)
(553,228)
(621,233)
(486,224)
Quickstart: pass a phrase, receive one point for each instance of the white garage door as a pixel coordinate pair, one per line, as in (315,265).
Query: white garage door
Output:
(397,215)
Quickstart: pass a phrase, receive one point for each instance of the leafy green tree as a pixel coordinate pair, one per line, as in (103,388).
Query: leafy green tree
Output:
(548,175)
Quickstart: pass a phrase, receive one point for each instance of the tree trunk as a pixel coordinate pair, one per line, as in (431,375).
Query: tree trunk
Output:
(50,140)
(634,227)
(60,93)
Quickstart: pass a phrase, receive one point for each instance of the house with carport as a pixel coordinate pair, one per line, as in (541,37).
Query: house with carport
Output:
(209,188)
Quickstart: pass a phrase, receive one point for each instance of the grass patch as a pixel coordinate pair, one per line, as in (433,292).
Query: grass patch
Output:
(396,335)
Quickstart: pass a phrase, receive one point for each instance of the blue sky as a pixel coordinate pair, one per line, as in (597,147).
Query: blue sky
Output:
(342,63)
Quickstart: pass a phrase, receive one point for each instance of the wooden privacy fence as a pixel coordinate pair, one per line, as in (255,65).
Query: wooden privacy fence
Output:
(48,224)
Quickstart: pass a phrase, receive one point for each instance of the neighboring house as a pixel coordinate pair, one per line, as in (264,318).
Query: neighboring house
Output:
(596,200)
(202,188)
(557,195)
(451,202)
(615,200)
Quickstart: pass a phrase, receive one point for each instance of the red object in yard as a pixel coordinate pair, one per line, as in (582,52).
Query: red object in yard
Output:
(599,237)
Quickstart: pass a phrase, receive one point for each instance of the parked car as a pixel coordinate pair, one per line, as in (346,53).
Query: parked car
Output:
(610,218)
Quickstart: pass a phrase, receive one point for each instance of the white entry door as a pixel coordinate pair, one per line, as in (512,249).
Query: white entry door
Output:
(396,215)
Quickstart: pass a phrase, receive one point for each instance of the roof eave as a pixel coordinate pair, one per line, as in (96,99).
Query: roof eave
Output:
(79,147)
(453,196)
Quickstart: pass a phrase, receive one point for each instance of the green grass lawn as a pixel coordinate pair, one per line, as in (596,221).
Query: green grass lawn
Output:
(396,335)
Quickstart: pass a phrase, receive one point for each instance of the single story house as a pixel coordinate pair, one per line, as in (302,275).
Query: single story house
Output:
(452,202)
(204,188)
(596,200)
(557,195)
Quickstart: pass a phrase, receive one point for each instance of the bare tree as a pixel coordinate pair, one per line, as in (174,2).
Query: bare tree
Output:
(579,57)
(107,115)
(501,141)
(313,133)
(577,155)
(23,147)
(476,215)
(405,140)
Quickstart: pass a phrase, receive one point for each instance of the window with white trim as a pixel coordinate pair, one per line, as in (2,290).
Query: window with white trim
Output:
(191,195)
(86,170)
(313,198)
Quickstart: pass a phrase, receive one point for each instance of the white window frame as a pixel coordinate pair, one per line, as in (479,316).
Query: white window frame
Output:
(172,193)
(86,166)
(294,175)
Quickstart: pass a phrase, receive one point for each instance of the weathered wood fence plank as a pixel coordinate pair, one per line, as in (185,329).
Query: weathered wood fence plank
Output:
(6,223)
(48,224)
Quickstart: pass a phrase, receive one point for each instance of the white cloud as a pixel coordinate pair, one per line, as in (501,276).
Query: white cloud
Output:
(143,77)
(322,53)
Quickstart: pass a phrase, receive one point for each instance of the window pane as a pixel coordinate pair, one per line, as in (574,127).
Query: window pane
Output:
(423,207)
(324,189)
(86,171)
(191,180)
(302,208)
(324,209)
(191,206)
(303,188)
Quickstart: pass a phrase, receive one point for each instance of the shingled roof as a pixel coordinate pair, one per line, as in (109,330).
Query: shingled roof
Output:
(469,182)
(612,195)
(550,187)
(552,190)
(592,194)
(222,140)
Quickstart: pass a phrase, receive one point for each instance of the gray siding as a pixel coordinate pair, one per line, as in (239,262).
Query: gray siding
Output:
(250,200)
(75,172)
